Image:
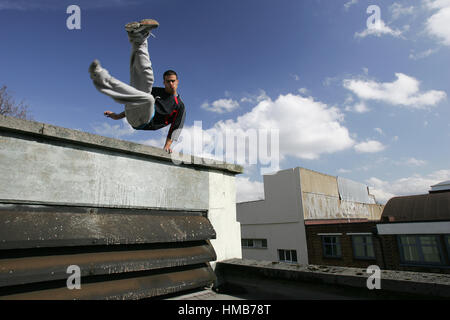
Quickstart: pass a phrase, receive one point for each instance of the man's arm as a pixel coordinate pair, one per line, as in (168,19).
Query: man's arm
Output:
(114,116)
(175,128)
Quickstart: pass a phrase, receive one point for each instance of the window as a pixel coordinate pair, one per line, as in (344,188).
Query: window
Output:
(447,243)
(420,249)
(287,255)
(254,243)
(331,246)
(363,247)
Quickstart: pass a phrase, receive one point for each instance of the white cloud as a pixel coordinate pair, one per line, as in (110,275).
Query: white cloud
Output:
(295,76)
(306,128)
(221,106)
(303,91)
(379,130)
(437,4)
(438,25)
(421,55)
(370,146)
(247,190)
(329,81)
(416,184)
(380,189)
(378,30)
(158,143)
(116,130)
(314,128)
(349,99)
(350,3)
(410,162)
(415,162)
(403,92)
(398,10)
(341,170)
(254,98)
(359,107)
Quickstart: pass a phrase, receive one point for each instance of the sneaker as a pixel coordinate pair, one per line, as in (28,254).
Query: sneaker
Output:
(145,25)
(95,65)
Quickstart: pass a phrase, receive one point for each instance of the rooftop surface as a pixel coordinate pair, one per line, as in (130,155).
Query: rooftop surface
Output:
(275,280)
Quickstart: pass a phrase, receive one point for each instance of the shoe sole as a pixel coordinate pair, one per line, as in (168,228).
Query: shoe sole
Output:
(94,65)
(145,24)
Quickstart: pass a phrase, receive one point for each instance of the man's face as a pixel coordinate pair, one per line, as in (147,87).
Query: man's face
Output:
(171,83)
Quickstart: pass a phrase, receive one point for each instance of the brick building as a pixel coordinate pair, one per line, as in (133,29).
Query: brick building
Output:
(415,231)
(343,243)
(274,229)
(413,234)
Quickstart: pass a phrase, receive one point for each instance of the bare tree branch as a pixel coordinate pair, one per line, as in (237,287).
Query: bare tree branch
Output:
(9,107)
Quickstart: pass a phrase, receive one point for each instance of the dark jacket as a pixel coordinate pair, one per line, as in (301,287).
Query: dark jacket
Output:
(168,110)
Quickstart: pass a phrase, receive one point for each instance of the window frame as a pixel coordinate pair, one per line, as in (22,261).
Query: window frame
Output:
(338,246)
(292,253)
(253,246)
(366,257)
(418,245)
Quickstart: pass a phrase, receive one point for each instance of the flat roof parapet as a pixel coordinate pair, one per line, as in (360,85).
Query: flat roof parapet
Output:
(38,129)
(392,282)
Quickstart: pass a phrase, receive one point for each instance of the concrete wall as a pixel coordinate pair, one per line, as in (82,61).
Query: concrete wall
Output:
(285,236)
(277,218)
(281,204)
(48,171)
(41,163)
(222,214)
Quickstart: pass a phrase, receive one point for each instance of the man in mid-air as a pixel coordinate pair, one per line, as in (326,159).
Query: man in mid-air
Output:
(146,107)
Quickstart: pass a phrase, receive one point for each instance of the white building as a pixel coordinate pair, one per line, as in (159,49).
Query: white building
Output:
(273,229)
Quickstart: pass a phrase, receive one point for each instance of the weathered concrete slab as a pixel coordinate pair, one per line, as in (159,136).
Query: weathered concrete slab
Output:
(25,227)
(19,271)
(44,130)
(63,172)
(129,288)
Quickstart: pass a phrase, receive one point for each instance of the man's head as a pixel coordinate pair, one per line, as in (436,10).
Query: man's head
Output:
(170,81)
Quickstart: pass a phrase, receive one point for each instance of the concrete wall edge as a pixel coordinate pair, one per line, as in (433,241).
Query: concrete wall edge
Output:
(48,131)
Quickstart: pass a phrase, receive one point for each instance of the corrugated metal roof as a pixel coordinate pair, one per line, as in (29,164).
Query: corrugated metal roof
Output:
(426,207)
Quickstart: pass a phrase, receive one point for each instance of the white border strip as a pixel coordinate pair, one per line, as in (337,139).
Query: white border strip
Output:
(359,233)
(441,227)
(329,234)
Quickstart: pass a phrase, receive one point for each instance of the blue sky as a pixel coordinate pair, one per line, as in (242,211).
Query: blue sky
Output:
(371,105)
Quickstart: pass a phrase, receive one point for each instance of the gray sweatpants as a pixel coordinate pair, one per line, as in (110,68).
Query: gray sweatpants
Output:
(137,98)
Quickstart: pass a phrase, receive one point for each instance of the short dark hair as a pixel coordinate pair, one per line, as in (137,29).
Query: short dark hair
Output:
(169,73)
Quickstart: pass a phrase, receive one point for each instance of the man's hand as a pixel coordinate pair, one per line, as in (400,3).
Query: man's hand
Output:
(167,146)
(168,149)
(113,115)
